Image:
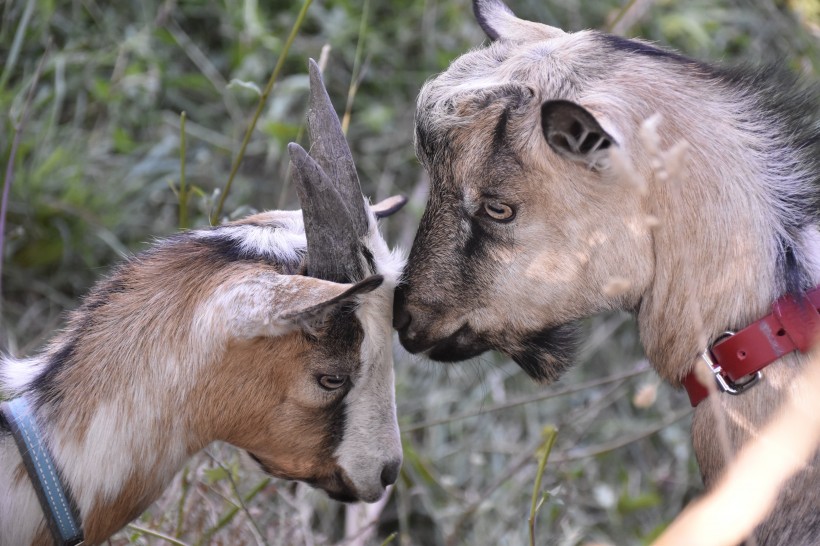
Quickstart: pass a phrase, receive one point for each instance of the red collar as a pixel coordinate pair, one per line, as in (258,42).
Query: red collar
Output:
(737,358)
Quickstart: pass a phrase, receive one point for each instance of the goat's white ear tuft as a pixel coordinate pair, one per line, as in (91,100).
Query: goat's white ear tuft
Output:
(388,207)
(500,23)
(573,132)
(331,296)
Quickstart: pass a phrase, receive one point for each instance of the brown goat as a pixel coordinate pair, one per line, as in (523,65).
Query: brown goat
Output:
(271,333)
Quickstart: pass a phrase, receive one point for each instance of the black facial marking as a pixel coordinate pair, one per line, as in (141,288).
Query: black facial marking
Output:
(546,354)
(339,344)
(478,240)
(336,419)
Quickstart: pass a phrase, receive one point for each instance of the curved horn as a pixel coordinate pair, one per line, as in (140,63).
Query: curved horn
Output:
(333,247)
(330,149)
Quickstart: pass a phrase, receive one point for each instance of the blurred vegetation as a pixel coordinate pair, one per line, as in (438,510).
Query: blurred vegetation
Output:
(94,175)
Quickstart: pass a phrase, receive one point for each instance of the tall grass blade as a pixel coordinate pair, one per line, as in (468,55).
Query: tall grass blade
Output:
(262,101)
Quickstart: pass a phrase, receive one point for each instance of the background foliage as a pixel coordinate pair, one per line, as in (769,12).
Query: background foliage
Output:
(93,179)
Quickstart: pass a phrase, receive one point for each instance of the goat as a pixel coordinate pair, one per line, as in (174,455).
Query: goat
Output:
(531,223)
(272,333)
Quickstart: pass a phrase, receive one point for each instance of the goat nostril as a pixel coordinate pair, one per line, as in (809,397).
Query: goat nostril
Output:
(401,319)
(401,316)
(390,473)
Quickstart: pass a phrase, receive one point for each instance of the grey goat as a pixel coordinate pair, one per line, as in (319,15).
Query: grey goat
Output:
(553,198)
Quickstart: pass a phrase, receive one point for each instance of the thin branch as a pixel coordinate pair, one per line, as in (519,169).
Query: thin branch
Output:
(262,101)
(183,190)
(638,370)
(156,534)
(550,434)
(606,447)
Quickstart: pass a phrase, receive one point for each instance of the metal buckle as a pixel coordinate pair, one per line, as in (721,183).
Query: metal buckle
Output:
(724,383)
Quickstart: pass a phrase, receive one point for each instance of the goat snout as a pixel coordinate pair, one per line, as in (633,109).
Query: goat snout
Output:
(410,324)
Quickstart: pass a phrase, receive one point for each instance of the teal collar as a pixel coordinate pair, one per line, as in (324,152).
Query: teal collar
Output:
(55,498)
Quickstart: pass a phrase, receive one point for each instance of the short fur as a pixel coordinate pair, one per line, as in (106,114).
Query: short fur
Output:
(703,248)
(210,335)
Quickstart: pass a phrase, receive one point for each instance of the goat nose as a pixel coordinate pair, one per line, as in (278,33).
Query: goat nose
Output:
(401,318)
(401,315)
(390,472)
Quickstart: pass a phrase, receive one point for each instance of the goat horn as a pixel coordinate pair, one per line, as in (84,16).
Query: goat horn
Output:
(333,247)
(330,149)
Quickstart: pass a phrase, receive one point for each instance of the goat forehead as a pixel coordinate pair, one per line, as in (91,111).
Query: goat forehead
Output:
(341,340)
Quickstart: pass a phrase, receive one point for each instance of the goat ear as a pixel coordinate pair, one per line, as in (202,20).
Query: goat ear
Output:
(573,132)
(500,23)
(338,295)
(388,207)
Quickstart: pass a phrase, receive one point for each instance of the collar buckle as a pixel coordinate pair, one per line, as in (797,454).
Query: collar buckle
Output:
(724,383)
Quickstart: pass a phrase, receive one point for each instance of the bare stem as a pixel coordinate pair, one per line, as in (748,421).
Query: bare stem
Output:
(550,433)
(262,101)
(156,534)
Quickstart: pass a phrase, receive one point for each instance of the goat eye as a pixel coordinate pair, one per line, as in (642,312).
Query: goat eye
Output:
(332,382)
(499,211)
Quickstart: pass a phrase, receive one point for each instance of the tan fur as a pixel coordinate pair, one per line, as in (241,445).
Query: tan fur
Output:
(682,218)
(43,537)
(183,346)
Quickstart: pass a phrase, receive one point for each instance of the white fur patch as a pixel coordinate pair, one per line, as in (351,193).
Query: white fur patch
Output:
(15,375)
(371,437)
(281,241)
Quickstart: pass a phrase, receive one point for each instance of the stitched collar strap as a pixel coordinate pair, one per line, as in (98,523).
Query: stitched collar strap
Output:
(55,499)
(737,358)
